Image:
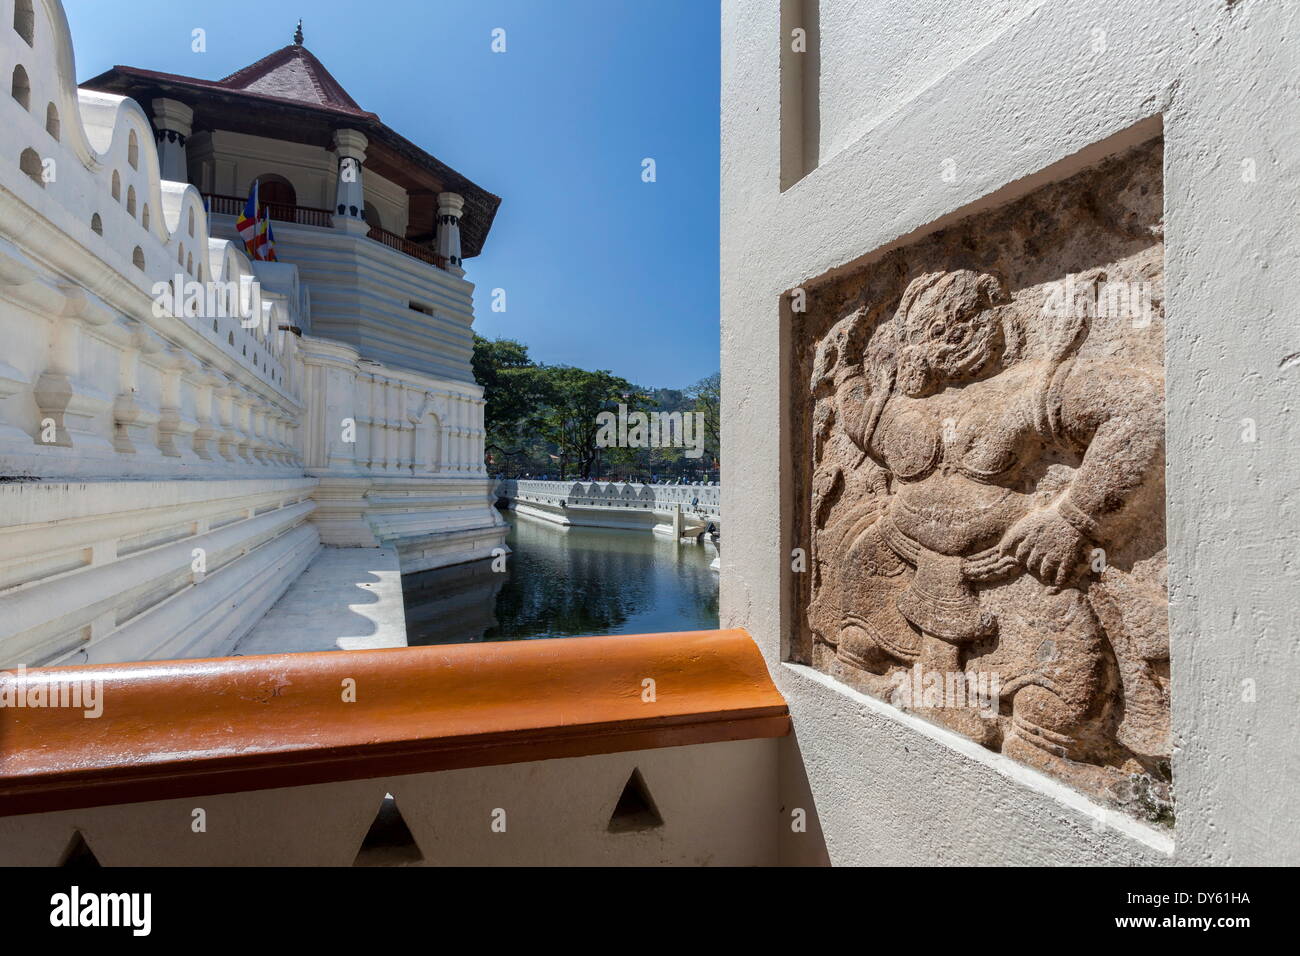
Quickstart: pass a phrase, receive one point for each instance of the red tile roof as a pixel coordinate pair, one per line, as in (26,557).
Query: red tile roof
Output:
(291,74)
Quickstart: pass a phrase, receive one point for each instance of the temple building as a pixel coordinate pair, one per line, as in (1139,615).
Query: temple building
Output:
(1009,434)
(215,451)
(324,163)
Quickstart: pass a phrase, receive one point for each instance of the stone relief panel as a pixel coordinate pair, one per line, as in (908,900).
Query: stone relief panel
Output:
(980,481)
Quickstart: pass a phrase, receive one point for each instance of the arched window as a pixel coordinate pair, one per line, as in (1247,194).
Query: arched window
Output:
(372,216)
(25,21)
(96,224)
(191,223)
(30,163)
(276,192)
(130,200)
(117,186)
(21,87)
(137,258)
(133,150)
(189,264)
(144,215)
(52,120)
(180,255)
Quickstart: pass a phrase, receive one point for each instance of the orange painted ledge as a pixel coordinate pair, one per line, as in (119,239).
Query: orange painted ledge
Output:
(188,728)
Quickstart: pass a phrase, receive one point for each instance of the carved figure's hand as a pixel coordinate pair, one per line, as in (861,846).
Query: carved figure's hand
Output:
(1046,544)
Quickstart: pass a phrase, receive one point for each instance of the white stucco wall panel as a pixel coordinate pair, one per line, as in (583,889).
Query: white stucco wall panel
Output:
(889,806)
(910,45)
(1025,103)
(715,801)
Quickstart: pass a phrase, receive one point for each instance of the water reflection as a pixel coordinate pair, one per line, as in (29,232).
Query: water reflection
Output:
(564,582)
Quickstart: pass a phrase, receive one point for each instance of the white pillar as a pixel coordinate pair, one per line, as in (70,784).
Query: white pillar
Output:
(173,126)
(364,414)
(176,425)
(206,413)
(449,211)
(350,197)
(480,446)
(375,411)
(459,441)
(228,441)
(243,401)
(392,428)
(134,416)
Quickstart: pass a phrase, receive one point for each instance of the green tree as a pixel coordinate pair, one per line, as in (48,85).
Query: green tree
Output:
(535,413)
(510,391)
(707,394)
(572,398)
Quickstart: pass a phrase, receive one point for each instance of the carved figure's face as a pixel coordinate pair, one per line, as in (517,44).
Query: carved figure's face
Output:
(947,330)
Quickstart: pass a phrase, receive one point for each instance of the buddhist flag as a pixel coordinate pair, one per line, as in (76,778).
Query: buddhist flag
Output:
(254,227)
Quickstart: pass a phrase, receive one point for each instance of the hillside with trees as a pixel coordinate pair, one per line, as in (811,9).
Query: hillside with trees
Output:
(545,419)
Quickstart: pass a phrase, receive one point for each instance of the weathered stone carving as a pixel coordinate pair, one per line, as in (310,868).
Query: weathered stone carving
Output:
(985,496)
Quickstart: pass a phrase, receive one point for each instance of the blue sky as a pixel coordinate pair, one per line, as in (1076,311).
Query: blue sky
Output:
(600,269)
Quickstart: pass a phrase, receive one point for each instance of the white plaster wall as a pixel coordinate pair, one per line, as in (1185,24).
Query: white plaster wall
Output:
(100,572)
(716,801)
(909,45)
(668,510)
(363,293)
(412,475)
(1033,104)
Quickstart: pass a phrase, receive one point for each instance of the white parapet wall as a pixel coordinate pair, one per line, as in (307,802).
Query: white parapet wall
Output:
(154,501)
(160,406)
(709,805)
(506,753)
(97,572)
(670,510)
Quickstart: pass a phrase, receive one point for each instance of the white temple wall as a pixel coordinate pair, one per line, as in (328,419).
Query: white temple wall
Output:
(395,309)
(165,469)
(399,456)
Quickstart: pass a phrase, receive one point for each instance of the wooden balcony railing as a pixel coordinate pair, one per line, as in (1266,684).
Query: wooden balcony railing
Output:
(313,216)
(195,727)
(280,212)
(407,247)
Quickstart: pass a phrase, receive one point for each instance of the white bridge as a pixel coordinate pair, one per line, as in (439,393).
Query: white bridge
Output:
(671,510)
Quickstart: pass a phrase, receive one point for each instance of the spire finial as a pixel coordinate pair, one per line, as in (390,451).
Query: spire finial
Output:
(297,34)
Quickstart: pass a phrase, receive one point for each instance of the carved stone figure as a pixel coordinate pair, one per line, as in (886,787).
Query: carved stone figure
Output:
(964,492)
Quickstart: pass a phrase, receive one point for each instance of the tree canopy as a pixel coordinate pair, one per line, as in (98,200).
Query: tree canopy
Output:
(543,419)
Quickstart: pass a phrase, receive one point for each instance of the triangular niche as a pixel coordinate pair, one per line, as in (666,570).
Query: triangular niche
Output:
(389,841)
(79,855)
(635,809)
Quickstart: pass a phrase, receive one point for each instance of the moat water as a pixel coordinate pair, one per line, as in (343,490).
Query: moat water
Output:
(566,582)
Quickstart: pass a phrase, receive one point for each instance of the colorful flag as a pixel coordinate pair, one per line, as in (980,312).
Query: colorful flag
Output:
(254,227)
